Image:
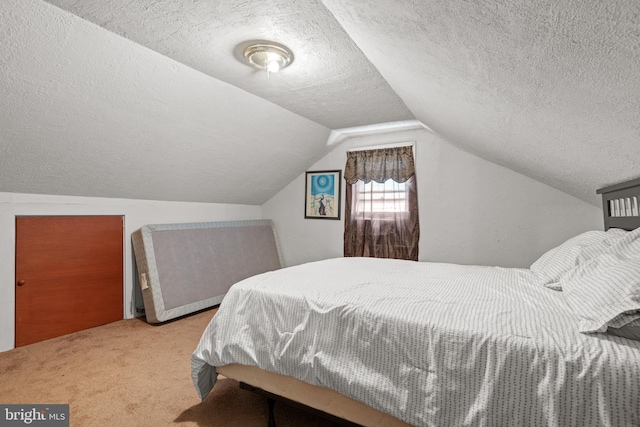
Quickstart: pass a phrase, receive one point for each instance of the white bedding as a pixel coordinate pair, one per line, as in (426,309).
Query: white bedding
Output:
(432,344)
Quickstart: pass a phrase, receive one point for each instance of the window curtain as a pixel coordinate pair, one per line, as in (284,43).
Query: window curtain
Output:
(387,232)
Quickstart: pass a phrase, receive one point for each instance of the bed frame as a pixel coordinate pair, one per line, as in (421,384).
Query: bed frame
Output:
(322,402)
(620,202)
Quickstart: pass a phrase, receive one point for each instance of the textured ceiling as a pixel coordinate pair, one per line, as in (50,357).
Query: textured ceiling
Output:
(85,112)
(330,81)
(549,89)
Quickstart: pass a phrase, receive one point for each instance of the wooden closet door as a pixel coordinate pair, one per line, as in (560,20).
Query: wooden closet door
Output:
(69,275)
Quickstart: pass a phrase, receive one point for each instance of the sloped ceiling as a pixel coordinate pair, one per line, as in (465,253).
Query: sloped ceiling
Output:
(146,99)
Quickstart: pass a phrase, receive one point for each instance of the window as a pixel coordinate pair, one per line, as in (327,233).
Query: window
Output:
(381,210)
(374,199)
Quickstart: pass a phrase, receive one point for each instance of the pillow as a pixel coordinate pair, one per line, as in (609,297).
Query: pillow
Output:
(604,292)
(630,330)
(556,262)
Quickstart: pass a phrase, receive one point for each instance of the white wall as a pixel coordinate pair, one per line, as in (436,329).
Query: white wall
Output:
(136,213)
(471,211)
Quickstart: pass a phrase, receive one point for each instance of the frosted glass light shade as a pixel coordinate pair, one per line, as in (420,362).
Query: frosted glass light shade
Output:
(269,56)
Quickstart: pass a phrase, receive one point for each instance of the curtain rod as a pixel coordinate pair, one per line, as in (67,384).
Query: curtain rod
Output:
(381,146)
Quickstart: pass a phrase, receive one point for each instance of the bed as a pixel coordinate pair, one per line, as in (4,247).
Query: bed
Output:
(380,342)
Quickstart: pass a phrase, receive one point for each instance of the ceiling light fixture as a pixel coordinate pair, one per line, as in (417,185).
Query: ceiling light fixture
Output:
(269,56)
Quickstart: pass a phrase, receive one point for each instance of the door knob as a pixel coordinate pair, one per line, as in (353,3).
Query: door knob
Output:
(21,282)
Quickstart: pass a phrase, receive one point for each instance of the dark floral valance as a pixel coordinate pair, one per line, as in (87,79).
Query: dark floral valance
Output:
(380,165)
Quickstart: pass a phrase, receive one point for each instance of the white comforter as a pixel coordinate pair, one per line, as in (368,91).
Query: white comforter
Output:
(431,344)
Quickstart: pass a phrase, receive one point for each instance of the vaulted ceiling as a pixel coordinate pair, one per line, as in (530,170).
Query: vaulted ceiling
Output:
(147,99)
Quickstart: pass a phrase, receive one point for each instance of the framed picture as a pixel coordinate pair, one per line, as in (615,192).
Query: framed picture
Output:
(322,194)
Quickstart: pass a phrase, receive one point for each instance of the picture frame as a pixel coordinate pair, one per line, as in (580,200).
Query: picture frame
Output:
(322,194)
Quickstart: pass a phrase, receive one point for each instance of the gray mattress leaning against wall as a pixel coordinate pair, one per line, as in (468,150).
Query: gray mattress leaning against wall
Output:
(188,267)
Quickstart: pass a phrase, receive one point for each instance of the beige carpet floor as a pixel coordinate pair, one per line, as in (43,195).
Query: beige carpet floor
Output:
(130,373)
